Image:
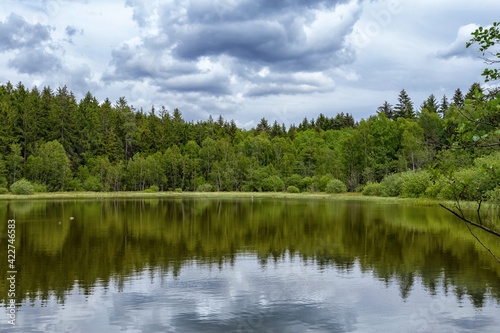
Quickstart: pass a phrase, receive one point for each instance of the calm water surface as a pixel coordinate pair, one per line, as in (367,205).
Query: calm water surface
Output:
(268,265)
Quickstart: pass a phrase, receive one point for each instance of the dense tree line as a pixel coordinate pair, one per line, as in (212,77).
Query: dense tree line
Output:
(59,144)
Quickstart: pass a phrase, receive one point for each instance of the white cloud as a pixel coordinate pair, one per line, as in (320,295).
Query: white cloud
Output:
(457,48)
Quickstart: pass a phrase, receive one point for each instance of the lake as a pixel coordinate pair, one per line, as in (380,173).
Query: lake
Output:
(243,265)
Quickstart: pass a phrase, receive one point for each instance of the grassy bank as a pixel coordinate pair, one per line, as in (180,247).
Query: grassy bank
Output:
(228,195)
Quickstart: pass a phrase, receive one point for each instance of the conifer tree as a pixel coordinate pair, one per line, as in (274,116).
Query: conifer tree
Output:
(458,98)
(430,104)
(404,108)
(472,91)
(386,109)
(443,106)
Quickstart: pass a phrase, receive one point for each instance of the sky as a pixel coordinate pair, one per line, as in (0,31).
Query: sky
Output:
(245,59)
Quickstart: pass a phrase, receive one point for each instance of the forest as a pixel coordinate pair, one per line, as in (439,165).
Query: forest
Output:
(441,149)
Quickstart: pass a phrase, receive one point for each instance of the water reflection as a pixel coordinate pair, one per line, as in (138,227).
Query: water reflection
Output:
(237,265)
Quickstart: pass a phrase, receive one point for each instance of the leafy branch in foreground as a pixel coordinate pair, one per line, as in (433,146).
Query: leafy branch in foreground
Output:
(479,128)
(488,38)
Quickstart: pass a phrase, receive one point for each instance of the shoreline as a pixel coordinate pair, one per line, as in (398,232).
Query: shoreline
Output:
(229,195)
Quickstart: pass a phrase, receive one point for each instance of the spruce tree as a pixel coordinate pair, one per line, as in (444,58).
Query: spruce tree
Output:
(387,110)
(458,98)
(404,108)
(472,91)
(430,104)
(443,106)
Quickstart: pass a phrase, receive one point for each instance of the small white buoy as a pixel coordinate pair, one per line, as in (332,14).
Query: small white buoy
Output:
(71,218)
(59,222)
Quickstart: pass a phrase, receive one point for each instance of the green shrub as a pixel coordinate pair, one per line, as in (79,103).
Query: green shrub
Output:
(73,185)
(373,189)
(178,190)
(3,190)
(39,188)
(93,184)
(494,196)
(305,184)
(359,189)
(200,181)
(335,186)
(294,180)
(391,185)
(152,189)
(246,188)
(414,184)
(273,184)
(474,183)
(22,186)
(323,182)
(433,190)
(292,189)
(205,188)
(447,192)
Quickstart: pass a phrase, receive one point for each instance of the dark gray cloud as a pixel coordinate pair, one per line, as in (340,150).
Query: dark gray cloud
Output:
(279,34)
(35,61)
(16,33)
(212,12)
(240,38)
(145,61)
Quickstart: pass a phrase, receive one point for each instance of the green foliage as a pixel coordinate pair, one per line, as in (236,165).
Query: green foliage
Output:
(494,196)
(49,138)
(294,180)
(245,188)
(22,186)
(205,188)
(177,190)
(3,190)
(472,184)
(39,188)
(3,173)
(93,184)
(50,165)
(152,189)
(335,186)
(404,108)
(273,184)
(323,182)
(488,38)
(414,184)
(373,189)
(391,185)
(292,189)
(305,184)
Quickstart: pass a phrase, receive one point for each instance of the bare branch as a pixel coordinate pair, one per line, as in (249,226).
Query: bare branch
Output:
(470,230)
(469,221)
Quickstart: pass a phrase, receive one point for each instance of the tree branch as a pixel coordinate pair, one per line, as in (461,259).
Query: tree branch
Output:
(470,222)
(470,230)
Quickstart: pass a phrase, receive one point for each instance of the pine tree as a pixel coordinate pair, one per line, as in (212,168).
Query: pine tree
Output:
(443,106)
(458,98)
(472,91)
(386,109)
(404,108)
(263,126)
(430,104)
